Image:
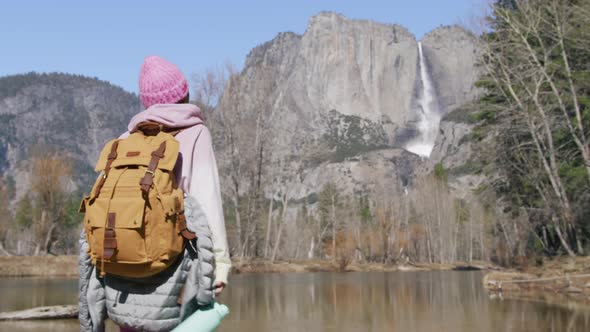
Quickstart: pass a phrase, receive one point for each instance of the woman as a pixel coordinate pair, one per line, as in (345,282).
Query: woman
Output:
(150,304)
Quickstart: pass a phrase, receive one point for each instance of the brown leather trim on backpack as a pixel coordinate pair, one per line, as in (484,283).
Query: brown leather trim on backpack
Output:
(183,229)
(110,240)
(133,154)
(150,128)
(176,131)
(148,178)
(112,156)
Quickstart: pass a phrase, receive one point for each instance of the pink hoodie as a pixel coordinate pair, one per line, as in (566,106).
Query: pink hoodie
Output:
(198,177)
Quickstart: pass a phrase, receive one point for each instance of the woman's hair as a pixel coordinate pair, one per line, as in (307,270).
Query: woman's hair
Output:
(184,100)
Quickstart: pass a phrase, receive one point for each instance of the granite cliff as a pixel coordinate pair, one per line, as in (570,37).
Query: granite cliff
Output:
(343,98)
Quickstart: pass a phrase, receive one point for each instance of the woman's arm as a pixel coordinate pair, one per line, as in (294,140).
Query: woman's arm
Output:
(204,187)
(85,271)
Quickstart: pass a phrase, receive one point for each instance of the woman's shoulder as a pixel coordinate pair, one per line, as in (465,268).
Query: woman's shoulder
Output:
(197,133)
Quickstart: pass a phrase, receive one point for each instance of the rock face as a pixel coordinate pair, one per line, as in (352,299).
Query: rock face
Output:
(347,89)
(453,150)
(70,114)
(339,68)
(394,168)
(358,68)
(452,54)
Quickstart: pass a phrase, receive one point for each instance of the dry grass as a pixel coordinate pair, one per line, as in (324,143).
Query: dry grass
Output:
(38,266)
(563,269)
(48,266)
(262,266)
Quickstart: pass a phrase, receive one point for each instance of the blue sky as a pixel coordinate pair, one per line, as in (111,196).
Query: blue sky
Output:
(109,39)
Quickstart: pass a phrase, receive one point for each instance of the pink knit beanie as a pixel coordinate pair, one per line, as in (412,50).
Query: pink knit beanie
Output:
(160,82)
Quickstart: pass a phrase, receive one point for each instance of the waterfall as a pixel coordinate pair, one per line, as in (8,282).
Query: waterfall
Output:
(428,117)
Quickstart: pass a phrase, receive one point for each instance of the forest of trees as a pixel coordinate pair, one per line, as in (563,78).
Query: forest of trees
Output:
(46,220)
(536,108)
(532,131)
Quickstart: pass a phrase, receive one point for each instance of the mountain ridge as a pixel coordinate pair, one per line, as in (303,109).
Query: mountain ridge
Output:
(75,114)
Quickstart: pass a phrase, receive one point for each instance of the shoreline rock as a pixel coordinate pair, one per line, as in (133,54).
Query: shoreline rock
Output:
(50,312)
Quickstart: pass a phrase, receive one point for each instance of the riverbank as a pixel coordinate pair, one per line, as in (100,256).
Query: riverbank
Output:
(555,281)
(38,266)
(66,266)
(293,266)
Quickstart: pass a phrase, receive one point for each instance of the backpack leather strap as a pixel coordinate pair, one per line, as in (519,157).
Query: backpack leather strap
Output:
(148,179)
(182,228)
(110,239)
(112,156)
(151,128)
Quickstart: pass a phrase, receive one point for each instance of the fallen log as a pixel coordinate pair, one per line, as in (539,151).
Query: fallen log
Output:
(51,312)
(469,267)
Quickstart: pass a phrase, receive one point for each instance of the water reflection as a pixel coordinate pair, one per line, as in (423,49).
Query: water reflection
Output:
(397,301)
(420,301)
(25,293)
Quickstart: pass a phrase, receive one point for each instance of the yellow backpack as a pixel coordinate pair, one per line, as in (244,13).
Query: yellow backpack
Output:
(134,217)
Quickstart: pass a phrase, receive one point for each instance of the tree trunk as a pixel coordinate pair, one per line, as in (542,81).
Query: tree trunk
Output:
(470,259)
(268,227)
(385,244)
(3,250)
(238,223)
(277,242)
(310,253)
(333,217)
(482,253)
(429,245)
(48,238)
(562,239)
(440,232)
(280,230)
(578,236)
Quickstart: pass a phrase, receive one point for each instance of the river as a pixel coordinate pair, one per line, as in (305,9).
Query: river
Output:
(372,301)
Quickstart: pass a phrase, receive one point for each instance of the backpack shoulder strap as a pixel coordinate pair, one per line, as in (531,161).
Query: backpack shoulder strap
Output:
(111,157)
(151,128)
(148,178)
(176,131)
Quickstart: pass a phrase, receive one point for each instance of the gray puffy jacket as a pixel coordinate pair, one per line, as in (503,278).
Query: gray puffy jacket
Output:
(150,304)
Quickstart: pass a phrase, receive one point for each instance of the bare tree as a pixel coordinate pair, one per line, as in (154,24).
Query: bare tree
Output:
(51,187)
(329,201)
(245,129)
(390,220)
(281,222)
(477,231)
(268,227)
(438,216)
(6,218)
(209,85)
(528,58)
